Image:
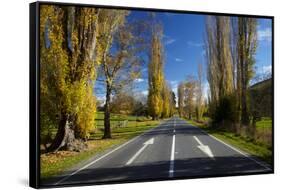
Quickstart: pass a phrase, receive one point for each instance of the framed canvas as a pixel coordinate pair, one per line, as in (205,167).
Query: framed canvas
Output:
(126,94)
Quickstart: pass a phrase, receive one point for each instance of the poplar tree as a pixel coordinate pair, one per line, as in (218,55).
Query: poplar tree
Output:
(181,99)
(190,86)
(167,102)
(246,49)
(219,59)
(219,67)
(173,102)
(199,94)
(67,53)
(155,76)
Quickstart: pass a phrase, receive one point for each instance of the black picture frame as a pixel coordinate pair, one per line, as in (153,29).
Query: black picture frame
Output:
(34,90)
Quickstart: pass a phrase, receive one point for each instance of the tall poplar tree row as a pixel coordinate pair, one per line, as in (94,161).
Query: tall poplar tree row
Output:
(230,61)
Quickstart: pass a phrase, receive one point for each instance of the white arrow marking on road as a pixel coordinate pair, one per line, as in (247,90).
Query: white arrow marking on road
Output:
(149,142)
(204,148)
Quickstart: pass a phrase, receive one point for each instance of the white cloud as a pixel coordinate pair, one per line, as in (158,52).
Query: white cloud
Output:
(174,87)
(139,80)
(264,34)
(175,90)
(174,82)
(205,90)
(262,73)
(144,92)
(144,70)
(194,44)
(101,99)
(265,69)
(178,60)
(169,41)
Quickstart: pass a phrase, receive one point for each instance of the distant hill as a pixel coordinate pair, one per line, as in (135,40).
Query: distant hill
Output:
(261,98)
(262,84)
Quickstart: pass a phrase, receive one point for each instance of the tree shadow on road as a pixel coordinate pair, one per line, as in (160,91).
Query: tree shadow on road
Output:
(183,168)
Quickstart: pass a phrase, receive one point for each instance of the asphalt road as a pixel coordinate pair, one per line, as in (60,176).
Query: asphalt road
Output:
(174,149)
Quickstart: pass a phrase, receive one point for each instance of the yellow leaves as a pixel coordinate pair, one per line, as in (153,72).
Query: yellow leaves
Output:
(86,115)
(65,84)
(156,78)
(108,23)
(167,103)
(135,75)
(81,102)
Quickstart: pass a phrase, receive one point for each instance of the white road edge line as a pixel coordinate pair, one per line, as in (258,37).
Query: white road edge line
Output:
(103,156)
(244,154)
(89,164)
(235,149)
(172,158)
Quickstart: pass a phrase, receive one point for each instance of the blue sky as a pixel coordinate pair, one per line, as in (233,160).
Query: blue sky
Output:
(183,39)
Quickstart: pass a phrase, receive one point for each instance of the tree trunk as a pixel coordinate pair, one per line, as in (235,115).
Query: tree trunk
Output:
(254,121)
(244,72)
(65,138)
(244,97)
(107,130)
(244,114)
(61,133)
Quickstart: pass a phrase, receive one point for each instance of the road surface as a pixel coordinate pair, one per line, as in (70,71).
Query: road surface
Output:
(174,149)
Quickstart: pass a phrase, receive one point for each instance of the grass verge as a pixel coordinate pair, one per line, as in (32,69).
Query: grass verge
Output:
(264,123)
(53,164)
(262,151)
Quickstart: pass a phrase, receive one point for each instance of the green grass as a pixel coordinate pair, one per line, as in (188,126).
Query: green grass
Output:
(53,164)
(120,117)
(259,150)
(117,119)
(132,129)
(264,123)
